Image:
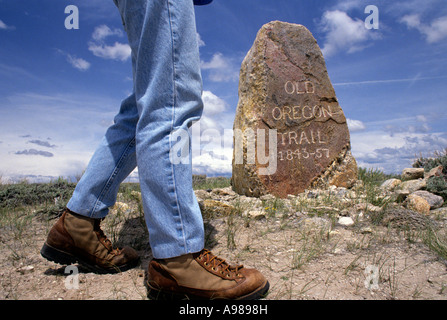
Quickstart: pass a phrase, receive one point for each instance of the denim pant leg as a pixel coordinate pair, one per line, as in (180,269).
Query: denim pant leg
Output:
(112,162)
(168,88)
(167,95)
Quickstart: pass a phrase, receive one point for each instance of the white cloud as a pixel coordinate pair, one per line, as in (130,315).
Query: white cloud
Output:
(208,164)
(410,125)
(213,113)
(212,103)
(433,32)
(411,20)
(117,51)
(218,61)
(212,142)
(355,125)
(394,144)
(200,41)
(3,26)
(222,68)
(78,63)
(103,31)
(212,150)
(421,118)
(344,33)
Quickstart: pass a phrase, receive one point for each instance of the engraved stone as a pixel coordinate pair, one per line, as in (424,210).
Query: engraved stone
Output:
(290,131)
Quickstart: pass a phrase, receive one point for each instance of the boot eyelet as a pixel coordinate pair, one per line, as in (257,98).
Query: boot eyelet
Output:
(213,268)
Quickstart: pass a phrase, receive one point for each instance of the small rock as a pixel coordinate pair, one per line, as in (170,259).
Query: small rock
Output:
(334,233)
(291,197)
(435,172)
(121,207)
(250,202)
(358,184)
(213,207)
(312,195)
(390,184)
(440,213)
(337,251)
(413,173)
(267,197)
(228,191)
(346,212)
(407,187)
(401,195)
(136,194)
(367,207)
(366,230)
(202,194)
(256,214)
(345,221)
(418,204)
(25,269)
(325,209)
(433,200)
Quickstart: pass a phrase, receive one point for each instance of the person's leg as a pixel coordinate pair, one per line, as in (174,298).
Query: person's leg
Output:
(77,236)
(112,162)
(168,88)
(168,91)
(167,98)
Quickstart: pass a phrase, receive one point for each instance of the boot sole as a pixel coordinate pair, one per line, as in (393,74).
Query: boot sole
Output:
(156,294)
(64,258)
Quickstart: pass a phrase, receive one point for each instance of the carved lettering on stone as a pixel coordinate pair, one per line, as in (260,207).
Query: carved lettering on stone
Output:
(285,90)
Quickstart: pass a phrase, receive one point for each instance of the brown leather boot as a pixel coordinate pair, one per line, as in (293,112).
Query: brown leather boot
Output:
(203,276)
(75,238)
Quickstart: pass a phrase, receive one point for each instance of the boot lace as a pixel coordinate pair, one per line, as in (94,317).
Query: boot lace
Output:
(214,262)
(104,240)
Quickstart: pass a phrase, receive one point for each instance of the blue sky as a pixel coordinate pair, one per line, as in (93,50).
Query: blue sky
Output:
(60,88)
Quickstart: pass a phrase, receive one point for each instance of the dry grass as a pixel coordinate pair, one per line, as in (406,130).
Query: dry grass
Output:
(297,243)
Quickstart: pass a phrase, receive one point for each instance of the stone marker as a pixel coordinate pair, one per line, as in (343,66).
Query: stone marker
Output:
(290,133)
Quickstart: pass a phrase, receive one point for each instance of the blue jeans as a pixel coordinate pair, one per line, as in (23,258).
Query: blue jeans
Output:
(166,98)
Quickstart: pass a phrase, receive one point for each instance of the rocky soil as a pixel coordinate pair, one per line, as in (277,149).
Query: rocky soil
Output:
(328,244)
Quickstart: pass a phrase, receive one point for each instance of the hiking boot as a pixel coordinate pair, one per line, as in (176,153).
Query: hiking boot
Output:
(75,238)
(203,276)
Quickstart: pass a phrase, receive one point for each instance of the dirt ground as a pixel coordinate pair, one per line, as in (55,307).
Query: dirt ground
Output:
(326,261)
